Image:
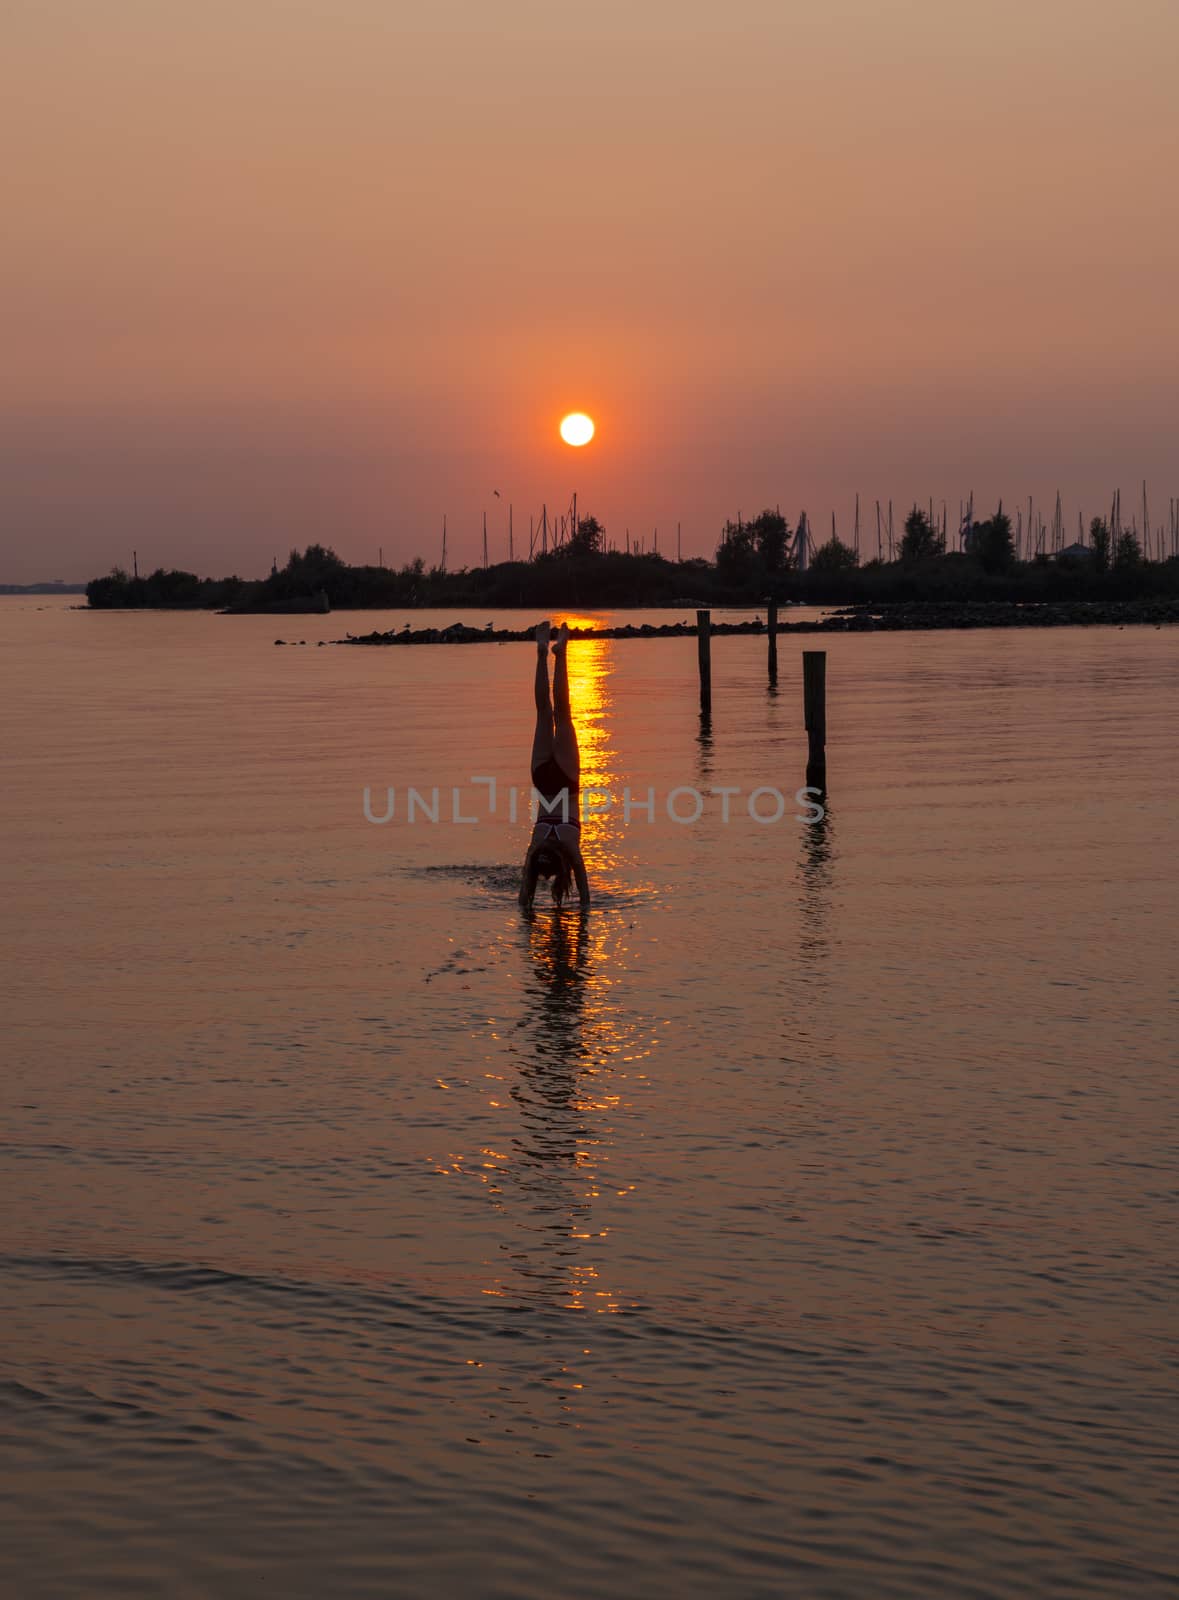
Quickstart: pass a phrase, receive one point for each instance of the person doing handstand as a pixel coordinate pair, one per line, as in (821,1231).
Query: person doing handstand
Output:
(554,850)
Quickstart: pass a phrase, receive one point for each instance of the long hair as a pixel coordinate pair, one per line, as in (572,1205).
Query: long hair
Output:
(552,862)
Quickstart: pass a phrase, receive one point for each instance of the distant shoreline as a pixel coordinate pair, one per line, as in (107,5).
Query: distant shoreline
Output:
(41,589)
(745,573)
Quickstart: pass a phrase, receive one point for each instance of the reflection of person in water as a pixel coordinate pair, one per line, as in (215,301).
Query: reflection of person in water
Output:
(572,1054)
(554,851)
(559,950)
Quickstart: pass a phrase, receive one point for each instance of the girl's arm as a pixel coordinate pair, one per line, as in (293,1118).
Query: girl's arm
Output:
(582,880)
(528,876)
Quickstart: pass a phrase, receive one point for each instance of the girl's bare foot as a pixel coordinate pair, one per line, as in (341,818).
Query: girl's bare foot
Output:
(562,639)
(543,630)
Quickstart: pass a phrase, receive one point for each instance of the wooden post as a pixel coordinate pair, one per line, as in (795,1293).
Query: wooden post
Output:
(772,639)
(704,656)
(814,704)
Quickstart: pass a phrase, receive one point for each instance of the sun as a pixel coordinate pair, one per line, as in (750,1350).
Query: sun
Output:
(577,429)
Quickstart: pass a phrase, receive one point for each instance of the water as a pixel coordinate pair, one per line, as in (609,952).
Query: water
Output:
(801,1222)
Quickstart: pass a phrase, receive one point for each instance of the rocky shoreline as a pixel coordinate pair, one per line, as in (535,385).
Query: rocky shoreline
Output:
(906,616)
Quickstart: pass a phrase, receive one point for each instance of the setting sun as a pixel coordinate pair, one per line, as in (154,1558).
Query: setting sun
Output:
(577,428)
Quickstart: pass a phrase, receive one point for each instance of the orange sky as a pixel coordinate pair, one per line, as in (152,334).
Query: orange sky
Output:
(278,270)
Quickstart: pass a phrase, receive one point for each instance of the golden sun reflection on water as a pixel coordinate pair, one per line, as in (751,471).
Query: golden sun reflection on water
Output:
(564,1061)
(591,667)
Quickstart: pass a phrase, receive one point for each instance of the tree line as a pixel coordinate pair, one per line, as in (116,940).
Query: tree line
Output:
(754,560)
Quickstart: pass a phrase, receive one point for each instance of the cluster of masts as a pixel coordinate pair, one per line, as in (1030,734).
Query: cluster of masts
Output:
(551,530)
(1032,536)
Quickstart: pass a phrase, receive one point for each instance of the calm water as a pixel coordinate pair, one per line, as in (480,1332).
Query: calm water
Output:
(802,1222)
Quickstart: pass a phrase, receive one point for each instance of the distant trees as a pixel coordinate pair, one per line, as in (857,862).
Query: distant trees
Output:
(752,549)
(993,543)
(922,541)
(105,593)
(318,568)
(736,554)
(171,589)
(834,556)
(771,534)
(1127,551)
(587,539)
(1099,540)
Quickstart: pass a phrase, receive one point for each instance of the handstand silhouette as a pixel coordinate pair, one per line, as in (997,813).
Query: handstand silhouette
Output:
(554,851)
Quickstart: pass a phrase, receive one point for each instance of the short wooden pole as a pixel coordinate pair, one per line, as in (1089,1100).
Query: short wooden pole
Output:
(814,706)
(772,638)
(704,656)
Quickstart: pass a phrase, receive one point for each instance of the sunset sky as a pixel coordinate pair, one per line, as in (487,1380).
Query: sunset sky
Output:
(283,270)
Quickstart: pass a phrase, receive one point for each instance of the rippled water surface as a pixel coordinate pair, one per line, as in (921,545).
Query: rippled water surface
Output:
(800,1222)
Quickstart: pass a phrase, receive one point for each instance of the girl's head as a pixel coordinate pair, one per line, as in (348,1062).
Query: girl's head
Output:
(552,863)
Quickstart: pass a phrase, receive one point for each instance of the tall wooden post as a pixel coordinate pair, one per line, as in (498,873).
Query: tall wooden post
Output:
(772,640)
(704,656)
(814,705)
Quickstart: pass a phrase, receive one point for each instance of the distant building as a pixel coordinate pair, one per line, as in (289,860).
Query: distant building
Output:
(1075,552)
